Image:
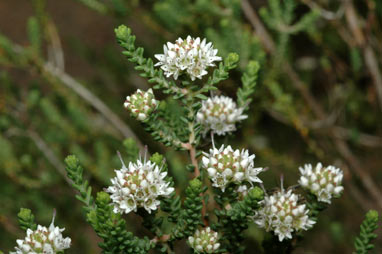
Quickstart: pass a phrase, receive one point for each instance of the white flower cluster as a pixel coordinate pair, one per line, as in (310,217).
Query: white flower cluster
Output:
(225,165)
(141,104)
(43,240)
(204,241)
(324,182)
(190,56)
(139,185)
(219,114)
(282,214)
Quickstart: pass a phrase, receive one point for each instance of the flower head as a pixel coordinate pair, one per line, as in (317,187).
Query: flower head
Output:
(219,114)
(225,165)
(141,104)
(204,241)
(281,213)
(190,56)
(138,185)
(43,240)
(323,182)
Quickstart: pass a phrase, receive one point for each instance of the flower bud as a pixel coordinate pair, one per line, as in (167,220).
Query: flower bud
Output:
(141,104)
(204,241)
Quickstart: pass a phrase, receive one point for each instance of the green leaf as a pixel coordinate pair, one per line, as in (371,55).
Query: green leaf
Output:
(26,219)
(34,34)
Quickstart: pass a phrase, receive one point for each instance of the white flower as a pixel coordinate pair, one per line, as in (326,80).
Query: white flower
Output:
(324,182)
(43,240)
(282,214)
(204,241)
(141,104)
(242,191)
(226,165)
(139,185)
(190,56)
(219,114)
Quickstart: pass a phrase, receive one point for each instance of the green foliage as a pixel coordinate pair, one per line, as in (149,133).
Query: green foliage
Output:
(168,124)
(280,15)
(111,227)
(75,173)
(26,219)
(191,215)
(95,5)
(234,220)
(132,149)
(145,65)
(362,242)
(34,34)
(315,206)
(220,74)
(249,80)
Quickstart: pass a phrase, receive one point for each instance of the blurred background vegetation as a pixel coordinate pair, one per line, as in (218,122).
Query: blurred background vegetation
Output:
(63,81)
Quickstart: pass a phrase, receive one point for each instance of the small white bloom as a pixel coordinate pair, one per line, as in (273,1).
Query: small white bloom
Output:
(281,214)
(43,240)
(225,166)
(190,56)
(141,104)
(138,185)
(242,191)
(204,241)
(219,114)
(324,182)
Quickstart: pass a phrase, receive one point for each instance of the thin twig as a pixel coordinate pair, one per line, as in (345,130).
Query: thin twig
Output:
(329,15)
(88,96)
(44,148)
(55,51)
(361,138)
(49,155)
(368,53)
(53,72)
